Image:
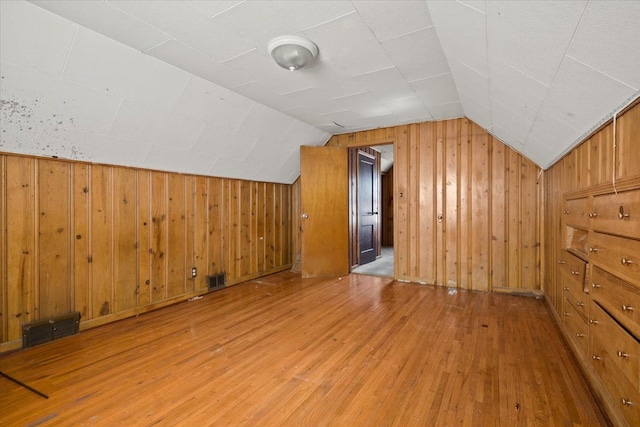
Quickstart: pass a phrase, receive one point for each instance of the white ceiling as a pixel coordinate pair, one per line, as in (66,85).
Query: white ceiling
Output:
(189,86)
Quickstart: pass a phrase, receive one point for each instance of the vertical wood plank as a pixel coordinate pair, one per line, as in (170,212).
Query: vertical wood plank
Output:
(401,162)
(438,162)
(54,238)
(215,212)
(530,268)
(498,215)
(228,221)
(254,237)
(145,256)
(466,212)
(269,227)
(244,215)
(287,252)
(260,226)
(101,256)
(21,243)
(159,235)
(235,227)
(176,243)
(450,212)
(200,226)
(413,205)
(125,239)
(81,239)
(480,180)
(513,224)
(190,232)
(628,135)
(277,227)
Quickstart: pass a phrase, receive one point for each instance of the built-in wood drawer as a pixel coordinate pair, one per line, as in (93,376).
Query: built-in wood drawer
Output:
(577,327)
(580,302)
(617,255)
(618,345)
(574,268)
(617,213)
(623,395)
(576,212)
(617,297)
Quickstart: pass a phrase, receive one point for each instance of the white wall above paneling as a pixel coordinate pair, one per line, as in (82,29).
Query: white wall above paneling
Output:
(189,86)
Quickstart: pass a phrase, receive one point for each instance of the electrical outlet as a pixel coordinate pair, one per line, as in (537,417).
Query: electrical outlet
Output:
(194,272)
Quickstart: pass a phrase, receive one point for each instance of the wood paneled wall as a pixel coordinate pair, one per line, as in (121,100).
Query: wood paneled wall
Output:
(590,165)
(468,209)
(111,242)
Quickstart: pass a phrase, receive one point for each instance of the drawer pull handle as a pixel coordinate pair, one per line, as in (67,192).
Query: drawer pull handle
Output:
(622,214)
(593,214)
(566,314)
(594,249)
(626,402)
(626,261)
(566,212)
(594,357)
(595,286)
(566,289)
(575,273)
(622,354)
(580,335)
(627,308)
(580,304)
(562,262)
(593,322)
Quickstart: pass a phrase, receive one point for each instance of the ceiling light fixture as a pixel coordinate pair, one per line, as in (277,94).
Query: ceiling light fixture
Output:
(292,52)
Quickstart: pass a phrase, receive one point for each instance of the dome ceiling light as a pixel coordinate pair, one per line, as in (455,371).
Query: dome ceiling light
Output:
(292,52)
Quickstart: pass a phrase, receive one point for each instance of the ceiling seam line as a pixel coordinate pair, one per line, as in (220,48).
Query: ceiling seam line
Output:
(600,72)
(66,61)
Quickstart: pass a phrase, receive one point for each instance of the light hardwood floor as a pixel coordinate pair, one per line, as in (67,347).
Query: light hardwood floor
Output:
(285,351)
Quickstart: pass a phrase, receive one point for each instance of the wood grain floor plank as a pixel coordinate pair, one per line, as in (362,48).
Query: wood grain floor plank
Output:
(283,351)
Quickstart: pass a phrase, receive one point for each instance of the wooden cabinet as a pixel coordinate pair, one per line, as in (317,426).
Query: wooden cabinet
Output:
(576,225)
(593,212)
(618,255)
(575,300)
(617,297)
(599,269)
(615,213)
(576,212)
(615,357)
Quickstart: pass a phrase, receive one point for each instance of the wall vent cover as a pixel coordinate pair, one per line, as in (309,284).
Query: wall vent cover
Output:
(216,282)
(50,329)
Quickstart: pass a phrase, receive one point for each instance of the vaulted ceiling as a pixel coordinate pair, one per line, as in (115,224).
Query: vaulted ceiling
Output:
(189,86)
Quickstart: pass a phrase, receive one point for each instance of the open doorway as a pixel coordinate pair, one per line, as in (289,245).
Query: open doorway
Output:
(371,201)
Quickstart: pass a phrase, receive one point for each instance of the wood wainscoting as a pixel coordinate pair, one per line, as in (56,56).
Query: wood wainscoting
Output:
(111,242)
(286,351)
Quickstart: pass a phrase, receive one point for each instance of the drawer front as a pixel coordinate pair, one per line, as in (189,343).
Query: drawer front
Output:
(579,301)
(617,255)
(574,268)
(617,297)
(619,347)
(617,213)
(623,394)
(576,212)
(577,327)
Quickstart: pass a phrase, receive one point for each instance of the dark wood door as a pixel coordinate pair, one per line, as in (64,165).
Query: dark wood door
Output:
(368,211)
(324,196)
